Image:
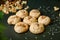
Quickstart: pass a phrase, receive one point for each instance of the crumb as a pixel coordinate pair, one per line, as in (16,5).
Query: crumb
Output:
(36,37)
(56,8)
(27,7)
(24,2)
(26,38)
(44,35)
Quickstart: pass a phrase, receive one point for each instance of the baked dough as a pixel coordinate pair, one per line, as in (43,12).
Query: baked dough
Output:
(5,10)
(13,19)
(44,20)
(36,28)
(22,13)
(28,20)
(34,13)
(21,27)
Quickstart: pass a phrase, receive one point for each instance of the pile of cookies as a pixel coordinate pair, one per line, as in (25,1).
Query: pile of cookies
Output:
(33,20)
(12,6)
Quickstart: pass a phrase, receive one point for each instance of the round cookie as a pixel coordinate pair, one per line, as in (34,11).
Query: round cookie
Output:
(22,13)
(34,13)
(21,27)
(44,20)
(28,20)
(36,28)
(13,19)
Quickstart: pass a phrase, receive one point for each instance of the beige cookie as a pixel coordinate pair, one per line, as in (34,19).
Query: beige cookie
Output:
(36,28)
(34,13)
(17,2)
(22,13)
(5,10)
(44,20)
(13,19)
(21,27)
(7,2)
(28,20)
(18,7)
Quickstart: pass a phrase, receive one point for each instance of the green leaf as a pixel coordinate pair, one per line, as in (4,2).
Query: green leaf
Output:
(1,14)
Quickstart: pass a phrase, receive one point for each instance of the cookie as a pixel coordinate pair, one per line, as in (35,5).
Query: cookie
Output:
(13,19)
(44,20)
(28,20)
(21,27)
(36,28)
(34,13)
(22,13)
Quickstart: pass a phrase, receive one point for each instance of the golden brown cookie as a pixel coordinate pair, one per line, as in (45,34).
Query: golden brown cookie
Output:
(28,20)
(34,13)
(36,28)
(13,19)
(21,27)
(22,13)
(44,20)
